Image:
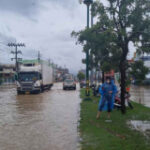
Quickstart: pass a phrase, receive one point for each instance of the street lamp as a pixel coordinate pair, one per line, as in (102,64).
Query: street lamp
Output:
(87,3)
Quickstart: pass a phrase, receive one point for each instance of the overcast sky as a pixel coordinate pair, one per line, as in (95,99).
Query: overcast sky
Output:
(45,26)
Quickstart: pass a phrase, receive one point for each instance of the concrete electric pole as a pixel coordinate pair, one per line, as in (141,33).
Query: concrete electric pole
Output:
(87,3)
(16,52)
(39,57)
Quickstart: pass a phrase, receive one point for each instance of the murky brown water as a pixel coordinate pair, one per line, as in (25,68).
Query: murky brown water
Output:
(39,122)
(141,95)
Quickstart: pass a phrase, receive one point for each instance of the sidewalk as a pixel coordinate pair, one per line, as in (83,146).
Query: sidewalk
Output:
(115,135)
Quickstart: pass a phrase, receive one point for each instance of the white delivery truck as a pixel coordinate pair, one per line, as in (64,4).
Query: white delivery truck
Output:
(34,76)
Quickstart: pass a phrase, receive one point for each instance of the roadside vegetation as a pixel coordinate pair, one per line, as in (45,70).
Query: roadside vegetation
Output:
(118,25)
(81,76)
(115,135)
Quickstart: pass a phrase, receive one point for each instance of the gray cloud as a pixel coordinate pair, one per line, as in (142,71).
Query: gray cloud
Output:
(50,34)
(23,7)
(31,7)
(65,3)
(4,39)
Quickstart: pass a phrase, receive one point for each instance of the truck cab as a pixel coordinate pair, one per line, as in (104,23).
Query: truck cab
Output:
(29,79)
(34,76)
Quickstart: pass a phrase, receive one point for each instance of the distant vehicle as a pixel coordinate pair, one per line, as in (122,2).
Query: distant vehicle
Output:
(68,76)
(82,84)
(34,77)
(69,84)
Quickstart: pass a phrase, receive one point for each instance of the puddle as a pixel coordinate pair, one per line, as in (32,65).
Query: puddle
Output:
(142,126)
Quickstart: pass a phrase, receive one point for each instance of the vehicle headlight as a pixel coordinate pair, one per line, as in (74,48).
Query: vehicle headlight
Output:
(18,84)
(37,83)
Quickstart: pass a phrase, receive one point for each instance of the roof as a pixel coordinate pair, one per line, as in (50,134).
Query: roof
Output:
(145,58)
(33,61)
(131,61)
(7,66)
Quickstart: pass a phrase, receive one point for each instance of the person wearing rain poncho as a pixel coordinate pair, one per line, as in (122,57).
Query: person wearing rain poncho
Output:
(108,91)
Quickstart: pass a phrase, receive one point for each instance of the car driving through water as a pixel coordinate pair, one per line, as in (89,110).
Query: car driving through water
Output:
(69,84)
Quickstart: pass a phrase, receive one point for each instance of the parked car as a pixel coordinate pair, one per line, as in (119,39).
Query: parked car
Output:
(69,84)
(82,84)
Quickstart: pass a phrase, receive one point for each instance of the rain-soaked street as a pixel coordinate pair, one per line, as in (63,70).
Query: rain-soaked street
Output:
(47,121)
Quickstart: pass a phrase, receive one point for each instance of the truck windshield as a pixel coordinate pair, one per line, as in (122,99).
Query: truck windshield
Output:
(28,76)
(68,81)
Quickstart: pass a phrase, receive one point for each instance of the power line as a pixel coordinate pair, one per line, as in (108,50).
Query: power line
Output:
(16,52)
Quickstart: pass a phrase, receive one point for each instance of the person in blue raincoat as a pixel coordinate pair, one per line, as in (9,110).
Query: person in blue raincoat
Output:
(108,91)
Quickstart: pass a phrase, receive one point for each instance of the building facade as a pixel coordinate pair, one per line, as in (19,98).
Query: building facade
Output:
(146,60)
(7,74)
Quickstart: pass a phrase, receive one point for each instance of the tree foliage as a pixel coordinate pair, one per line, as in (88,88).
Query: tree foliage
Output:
(139,71)
(81,76)
(119,23)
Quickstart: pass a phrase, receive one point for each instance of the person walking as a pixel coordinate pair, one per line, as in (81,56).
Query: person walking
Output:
(107,91)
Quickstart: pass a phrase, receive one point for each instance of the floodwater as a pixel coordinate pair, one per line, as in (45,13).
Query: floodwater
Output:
(47,121)
(141,94)
(142,126)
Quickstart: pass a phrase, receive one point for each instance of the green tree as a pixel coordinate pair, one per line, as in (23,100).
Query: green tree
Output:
(130,21)
(139,71)
(81,76)
(102,50)
(119,23)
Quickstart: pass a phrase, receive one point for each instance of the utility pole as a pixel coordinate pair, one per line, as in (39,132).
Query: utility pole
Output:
(49,61)
(92,67)
(16,52)
(39,57)
(87,3)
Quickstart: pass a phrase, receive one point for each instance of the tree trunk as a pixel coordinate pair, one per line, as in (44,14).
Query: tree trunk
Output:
(95,76)
(123,86)
(123,76)
(103,76)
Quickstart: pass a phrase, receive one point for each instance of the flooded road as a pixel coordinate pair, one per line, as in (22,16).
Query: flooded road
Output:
(47,121)
(141,94)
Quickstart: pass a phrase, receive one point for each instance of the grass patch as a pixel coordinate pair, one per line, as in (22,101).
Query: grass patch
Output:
(101,135)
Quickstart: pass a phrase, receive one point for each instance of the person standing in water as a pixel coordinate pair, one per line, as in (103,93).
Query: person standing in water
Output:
(107,91)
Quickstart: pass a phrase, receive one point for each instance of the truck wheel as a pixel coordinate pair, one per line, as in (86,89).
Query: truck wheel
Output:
(38,92)
(48,87)
(41,89)
(19,92)
(64,88)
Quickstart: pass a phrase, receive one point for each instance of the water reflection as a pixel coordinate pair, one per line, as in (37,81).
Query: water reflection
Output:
(142,126)
(26,103)
(47,121)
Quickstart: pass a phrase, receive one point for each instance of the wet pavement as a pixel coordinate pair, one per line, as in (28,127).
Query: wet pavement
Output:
(141,94)
(47,121)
